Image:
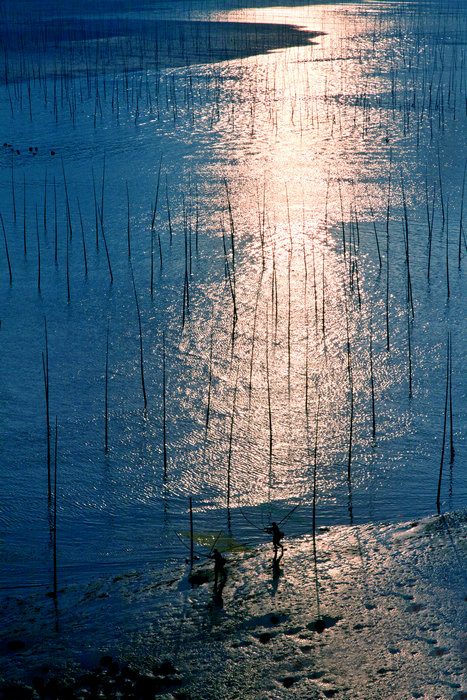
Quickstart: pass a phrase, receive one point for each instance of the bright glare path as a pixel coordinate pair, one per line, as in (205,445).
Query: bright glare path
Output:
(307,247)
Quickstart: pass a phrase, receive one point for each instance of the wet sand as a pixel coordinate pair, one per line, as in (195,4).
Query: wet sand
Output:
(380,615)
(70,46)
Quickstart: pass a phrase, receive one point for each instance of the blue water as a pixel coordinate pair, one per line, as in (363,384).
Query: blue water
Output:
(295,142)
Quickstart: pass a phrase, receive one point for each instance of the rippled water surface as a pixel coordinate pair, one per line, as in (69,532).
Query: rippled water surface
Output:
(266,248)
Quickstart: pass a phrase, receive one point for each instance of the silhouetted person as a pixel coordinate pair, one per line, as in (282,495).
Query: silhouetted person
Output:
(277,535)
(219,569)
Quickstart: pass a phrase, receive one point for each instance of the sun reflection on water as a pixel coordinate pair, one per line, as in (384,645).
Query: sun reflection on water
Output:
(274,277)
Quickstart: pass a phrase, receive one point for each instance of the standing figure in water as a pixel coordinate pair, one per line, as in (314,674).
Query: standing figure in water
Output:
(277,535)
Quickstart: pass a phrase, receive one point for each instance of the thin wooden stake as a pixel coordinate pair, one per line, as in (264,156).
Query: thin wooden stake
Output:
(68,211)
(450,398)
(372,382)
(55,513)
(229,459)
(191,535)
(96,208)
(315,454)
(387,258)
(349,370)
(164,411)
(444,428)
(55,221)
(6,248)
(268,384)
(140,338)
(409,342)
(45,369)
(84,242)
(128,220)
(106,251)
(461,227)
(447,250)
(38,255)
(45,202)
(106,390)
(169,220)
(208,407)
(67,267)
(102,193)
(24,216)
(13,187)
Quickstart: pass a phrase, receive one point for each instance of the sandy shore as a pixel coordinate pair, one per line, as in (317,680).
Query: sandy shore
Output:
(69,46)
(392,599)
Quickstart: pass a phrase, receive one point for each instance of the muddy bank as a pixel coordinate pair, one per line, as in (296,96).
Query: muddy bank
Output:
(381,613)
(74,46)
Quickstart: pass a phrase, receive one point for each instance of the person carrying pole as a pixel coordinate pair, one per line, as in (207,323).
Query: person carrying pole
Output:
(277,535)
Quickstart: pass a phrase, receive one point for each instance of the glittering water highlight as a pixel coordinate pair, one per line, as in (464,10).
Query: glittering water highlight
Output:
(306,225)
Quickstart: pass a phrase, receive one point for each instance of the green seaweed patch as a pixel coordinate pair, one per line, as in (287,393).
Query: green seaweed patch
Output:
(211,539)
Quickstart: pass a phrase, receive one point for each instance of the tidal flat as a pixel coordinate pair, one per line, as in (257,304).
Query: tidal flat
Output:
(232,272)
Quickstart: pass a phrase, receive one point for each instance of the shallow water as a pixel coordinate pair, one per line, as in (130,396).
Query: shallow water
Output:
(275,172)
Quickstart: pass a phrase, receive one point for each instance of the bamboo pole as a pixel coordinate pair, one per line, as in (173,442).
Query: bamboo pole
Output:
(268,385)
(153,224)
(438,506)
(6,249)
(387,256)
(106,440)
(461,227)
(128,220)
(140,339)
(208,407)
(45,369)
(83,240)
(372,382)
(38,255)
(55,514)
(164,407)
(229,458)
(191,535)
(24,216)
(68,211)
(55,222)
(349,371)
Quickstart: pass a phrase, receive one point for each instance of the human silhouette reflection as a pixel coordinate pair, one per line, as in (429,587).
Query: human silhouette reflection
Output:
(276,572)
